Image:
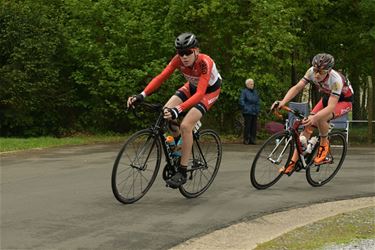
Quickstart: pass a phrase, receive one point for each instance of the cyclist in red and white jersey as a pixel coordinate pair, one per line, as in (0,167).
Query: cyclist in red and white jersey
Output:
(336,101)
(198,94)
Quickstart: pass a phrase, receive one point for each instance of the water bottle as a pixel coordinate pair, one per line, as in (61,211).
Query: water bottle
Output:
(311,144)
(331,127)
(303,141)
(170,143)
(197,126)
(177,150)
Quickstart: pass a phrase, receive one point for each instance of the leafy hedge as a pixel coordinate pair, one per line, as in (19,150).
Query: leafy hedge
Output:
(68,66)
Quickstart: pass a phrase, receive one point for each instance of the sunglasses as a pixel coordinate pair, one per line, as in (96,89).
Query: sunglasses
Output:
(320,71)
(186,52)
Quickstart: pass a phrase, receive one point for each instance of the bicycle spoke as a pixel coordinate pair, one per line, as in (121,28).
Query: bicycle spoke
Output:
(198,183)
(273,155)
(204,165)
(320,175)
(136,167)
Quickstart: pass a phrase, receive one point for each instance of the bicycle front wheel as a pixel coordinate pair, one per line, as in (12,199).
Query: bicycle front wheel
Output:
(319,175)
(204,163)
(136,166)
(275,153)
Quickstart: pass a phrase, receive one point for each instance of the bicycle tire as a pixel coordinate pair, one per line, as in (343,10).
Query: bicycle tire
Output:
(317,176)
(207,165)
(130,170)
(263,166)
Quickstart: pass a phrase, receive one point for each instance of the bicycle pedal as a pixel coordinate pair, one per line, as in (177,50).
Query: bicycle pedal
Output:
(326,161)
(290,172)
(298,167)
(169,186)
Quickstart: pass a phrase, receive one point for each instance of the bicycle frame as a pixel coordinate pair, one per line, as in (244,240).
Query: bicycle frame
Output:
(159,128)
(293,135)
(297,142)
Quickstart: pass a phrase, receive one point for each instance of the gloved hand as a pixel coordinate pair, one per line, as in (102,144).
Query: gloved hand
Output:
(135,99)
(171,113)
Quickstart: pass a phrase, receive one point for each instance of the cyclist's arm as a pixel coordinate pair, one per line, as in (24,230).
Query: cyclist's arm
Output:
(298,87)
(293,91)
(159,79)
(194,99)
(201,88)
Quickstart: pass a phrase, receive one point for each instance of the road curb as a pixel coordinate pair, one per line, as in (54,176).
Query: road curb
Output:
(246,235)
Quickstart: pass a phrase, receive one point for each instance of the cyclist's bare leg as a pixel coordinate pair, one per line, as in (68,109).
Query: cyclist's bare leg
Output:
(171,103)
(308,130)
(186,128)
(323,127)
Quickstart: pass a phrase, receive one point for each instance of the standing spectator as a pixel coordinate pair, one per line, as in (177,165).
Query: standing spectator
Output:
(249,102)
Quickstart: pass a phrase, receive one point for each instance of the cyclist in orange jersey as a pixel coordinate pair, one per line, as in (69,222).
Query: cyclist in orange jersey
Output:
(197,95)
(336,101)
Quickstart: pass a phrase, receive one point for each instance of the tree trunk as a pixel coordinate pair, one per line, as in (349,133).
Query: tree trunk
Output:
(357,91)
(373,81)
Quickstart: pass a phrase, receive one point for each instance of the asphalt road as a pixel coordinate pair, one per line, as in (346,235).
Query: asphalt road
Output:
(62,199)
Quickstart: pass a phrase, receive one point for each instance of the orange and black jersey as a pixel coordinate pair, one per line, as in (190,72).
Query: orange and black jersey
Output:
(202,75)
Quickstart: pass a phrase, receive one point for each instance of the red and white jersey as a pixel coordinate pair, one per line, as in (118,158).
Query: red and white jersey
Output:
(333,84)
(202,74)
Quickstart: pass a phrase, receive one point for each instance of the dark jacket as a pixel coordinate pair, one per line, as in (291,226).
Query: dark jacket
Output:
(249,101)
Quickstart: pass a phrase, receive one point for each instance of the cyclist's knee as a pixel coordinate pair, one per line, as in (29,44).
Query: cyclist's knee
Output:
(186,127)
(325,119)
(173,102)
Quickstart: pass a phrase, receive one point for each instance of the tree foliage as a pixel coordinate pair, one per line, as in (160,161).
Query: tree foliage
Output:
(68,66)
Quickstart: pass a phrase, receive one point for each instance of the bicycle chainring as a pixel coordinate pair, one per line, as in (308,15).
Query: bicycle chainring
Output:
(299,166)
(168,172)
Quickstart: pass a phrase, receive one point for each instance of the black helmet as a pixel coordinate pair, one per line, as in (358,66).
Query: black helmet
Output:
(186,41)
(323,61)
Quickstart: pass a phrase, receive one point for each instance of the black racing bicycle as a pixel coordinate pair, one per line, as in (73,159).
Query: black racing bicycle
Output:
(138,162)
(277,151)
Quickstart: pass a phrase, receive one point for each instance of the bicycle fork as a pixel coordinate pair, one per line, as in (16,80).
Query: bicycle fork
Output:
(136,162)
(278,160)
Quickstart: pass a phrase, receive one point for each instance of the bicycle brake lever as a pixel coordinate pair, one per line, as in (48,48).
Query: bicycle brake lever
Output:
(133,110)
(277,114)
(128,109)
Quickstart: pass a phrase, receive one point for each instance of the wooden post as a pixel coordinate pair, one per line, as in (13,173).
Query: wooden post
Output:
(370,106)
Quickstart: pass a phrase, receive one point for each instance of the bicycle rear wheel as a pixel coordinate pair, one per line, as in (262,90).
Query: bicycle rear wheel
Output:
(274,154)
(319,175)
(204,165)
(136,166)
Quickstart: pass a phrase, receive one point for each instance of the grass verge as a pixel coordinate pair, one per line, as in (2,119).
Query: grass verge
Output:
(340,229)
(16,144)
